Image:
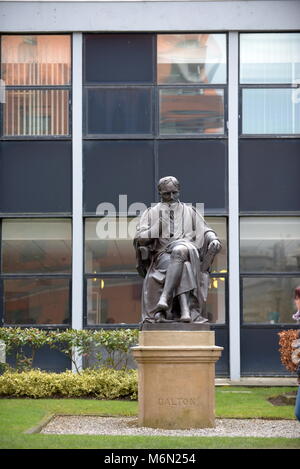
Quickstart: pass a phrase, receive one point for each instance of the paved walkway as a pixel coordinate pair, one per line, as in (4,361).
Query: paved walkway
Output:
(258,381)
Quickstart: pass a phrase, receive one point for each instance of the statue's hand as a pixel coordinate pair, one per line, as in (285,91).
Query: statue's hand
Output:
(214,246)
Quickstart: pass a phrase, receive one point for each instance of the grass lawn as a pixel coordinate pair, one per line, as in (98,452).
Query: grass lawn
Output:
(19,415)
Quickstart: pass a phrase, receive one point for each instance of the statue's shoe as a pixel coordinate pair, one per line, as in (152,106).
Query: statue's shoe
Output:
(162,304)
(185,318)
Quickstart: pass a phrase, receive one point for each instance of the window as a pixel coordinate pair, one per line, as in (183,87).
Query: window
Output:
(270,268)
(191,58)
(36,301)
(36,70)
(36,271)
(125,97)
(269,300)
(195,111)
(184,60)
(115,254)
(36,246)
(269,76)
(114,300)
(114,287)
(270,244)
(119,111)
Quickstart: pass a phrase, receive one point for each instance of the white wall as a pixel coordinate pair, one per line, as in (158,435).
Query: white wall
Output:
(75,16)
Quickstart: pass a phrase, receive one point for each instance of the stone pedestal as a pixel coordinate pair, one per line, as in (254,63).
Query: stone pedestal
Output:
(176,378)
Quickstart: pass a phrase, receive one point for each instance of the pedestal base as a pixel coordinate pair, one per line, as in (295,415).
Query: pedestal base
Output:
(176,378)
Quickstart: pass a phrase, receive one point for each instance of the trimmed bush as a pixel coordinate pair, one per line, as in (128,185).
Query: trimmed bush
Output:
(104,383)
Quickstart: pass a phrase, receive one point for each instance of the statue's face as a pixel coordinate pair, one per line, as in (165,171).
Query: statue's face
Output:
(169,193)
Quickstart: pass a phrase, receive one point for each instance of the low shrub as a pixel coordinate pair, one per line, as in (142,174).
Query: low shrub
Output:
(104,383)
(24,342)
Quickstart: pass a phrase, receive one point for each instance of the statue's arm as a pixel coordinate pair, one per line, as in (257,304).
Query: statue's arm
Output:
(147,230)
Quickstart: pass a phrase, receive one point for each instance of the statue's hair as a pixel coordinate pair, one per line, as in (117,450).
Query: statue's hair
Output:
(165,180)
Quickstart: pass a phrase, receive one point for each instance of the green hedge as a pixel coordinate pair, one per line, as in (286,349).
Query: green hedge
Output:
(104,383)
(24,343)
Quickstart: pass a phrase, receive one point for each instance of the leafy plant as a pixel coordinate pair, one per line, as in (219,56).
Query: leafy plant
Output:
(24,343)
(117,345)
(285,349)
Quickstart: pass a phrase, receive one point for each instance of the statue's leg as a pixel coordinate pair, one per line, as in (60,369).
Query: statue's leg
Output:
(173,275)
(185,315)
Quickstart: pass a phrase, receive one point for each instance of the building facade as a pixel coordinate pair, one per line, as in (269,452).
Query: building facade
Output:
(100,100)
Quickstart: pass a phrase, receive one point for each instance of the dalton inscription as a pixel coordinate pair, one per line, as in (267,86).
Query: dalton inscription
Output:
(178,401)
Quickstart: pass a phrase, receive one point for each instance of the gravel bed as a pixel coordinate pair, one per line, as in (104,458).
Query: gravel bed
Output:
(97,425)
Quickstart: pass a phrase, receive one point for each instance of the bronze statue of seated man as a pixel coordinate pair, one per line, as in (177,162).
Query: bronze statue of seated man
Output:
(175,249)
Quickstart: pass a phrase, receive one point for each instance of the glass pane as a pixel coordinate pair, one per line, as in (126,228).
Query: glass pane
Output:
(109,246)
(118,58)
(191,58)
(269,300)
(191,111)
(215,306)
(36,112)
(270,244)
(271,111)
(219,225)
(270,58)
(36,246)
(119,111)
(36,301)
(36,60)
(114,301)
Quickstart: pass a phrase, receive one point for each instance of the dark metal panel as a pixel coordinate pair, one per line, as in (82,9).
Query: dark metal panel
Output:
(119,111)
(222,340)
(45,359)
(35,176)
(201,168)
(112,168)
(260,351)
(269,175)
(118,58)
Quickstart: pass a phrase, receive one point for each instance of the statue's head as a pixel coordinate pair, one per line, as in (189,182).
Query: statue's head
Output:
(169,188)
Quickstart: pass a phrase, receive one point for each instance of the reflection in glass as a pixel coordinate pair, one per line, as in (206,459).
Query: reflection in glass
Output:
(109,245)
(191,111)
(36,301)
(270,244)
(36,112)
(35,245)
(270,57)
(271,111)
(191,58)
(114,301)
(36,60)
(215,306)
(219,225)
(269,300)
(119,111)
